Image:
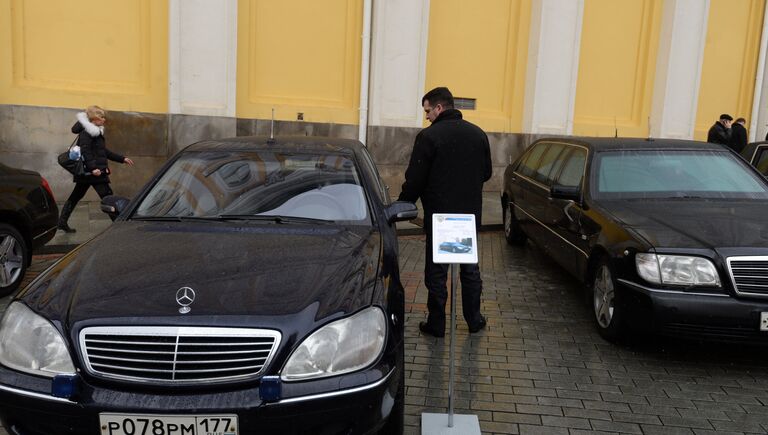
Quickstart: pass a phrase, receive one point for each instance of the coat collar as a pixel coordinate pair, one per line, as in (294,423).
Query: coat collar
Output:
(448,114)
(92,129)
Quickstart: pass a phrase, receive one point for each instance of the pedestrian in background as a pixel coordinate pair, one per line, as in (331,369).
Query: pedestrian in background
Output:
(720,132)
(738,135)
(90,130)
(450,161)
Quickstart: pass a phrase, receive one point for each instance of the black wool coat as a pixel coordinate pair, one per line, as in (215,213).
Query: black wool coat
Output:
(451,160)
(738,137)
(95,154)
(719,134)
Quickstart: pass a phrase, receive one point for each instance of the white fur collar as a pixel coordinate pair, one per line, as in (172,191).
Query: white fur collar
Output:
(92,129)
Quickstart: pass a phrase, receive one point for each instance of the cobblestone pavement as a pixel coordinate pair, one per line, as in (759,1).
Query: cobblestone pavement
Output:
(540,368)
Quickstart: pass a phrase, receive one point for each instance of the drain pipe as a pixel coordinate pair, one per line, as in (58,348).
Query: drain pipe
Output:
(365,69)
(759,78)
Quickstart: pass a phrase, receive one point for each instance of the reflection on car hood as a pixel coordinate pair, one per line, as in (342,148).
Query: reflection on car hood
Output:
(695,223)
(135,269)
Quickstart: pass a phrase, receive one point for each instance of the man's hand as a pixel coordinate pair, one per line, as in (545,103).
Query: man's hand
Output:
(128,161)
(96,172)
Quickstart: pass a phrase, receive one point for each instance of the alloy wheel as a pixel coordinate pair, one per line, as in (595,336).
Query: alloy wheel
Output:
(603,297)
(11,260)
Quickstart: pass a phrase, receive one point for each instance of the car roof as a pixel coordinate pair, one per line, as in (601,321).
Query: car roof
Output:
(633,143)
(280,143)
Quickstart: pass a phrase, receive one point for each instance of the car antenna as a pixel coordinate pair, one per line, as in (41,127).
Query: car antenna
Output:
(615,128)
(272,128)
(650,138)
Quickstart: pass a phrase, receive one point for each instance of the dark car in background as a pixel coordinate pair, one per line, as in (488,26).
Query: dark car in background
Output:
(252,287)
(28,216)
(756,154)
(670,236)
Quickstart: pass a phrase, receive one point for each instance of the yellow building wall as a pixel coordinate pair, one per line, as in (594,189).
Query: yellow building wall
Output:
(479,49)
(730,62)
(619,43)
(299,56)
(113,53)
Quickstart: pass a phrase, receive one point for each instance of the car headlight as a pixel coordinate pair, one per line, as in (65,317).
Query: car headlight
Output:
(343,346)
(677,270)
(29,343)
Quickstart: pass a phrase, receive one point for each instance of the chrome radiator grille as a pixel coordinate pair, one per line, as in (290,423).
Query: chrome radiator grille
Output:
(749,275)
(177,355)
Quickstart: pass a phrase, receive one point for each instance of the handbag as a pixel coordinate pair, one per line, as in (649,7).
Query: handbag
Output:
(75,167)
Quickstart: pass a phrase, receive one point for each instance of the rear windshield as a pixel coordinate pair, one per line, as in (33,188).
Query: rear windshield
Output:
(264,183)
(674,174)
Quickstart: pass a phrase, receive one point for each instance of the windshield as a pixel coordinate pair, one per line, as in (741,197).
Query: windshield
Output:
(634,174)
(242,185)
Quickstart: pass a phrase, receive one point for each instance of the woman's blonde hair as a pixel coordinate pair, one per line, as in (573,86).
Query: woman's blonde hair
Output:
(95,112)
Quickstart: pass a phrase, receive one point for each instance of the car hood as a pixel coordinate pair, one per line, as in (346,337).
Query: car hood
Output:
(134,270)
(695,223)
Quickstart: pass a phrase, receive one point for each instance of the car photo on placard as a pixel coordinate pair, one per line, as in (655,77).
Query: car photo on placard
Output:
(464,247)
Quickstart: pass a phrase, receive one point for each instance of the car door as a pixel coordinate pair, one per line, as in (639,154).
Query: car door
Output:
(760,159)
(522,183)
(537,198)
(564,216)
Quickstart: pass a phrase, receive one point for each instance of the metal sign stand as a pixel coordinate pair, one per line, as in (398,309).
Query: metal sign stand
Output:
(450,424)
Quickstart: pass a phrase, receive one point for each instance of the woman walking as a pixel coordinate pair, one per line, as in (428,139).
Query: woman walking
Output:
(90,130)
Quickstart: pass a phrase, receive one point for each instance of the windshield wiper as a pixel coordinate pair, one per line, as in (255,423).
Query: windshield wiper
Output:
(278,219)
(175,218)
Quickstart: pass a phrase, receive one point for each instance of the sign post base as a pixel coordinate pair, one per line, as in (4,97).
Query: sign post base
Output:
(437,424)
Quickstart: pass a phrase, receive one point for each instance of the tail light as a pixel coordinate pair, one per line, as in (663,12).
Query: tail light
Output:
(47,188)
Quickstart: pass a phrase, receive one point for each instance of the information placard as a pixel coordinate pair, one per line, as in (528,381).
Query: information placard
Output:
(454,238)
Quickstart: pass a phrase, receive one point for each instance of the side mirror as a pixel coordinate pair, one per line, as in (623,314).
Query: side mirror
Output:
(401,211)
(113,205)
(558,191)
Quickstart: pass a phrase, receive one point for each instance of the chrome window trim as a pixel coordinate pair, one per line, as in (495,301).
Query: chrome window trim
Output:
(733,278)
(649,290)
(567,144)
(336,393)
(34,395)
(177,331)
(754,154)
(553,232)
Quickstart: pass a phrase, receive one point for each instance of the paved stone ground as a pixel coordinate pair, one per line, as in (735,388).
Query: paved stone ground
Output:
(540,367)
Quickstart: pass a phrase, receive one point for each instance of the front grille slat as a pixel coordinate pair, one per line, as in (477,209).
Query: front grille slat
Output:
(749,275)
(177,355)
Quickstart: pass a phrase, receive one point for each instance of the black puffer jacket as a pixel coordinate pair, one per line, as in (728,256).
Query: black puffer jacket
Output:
(451,160)
(94,150)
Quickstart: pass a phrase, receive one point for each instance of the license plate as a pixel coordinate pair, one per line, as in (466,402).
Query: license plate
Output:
(154,424)
(764,321)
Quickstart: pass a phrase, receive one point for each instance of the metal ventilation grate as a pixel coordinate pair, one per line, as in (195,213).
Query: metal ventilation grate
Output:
(465,103)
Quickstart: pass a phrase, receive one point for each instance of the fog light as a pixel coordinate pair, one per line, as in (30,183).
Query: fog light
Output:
(270,388)
(65,386)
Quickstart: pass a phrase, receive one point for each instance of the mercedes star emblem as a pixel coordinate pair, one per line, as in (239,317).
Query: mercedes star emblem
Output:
(185,296)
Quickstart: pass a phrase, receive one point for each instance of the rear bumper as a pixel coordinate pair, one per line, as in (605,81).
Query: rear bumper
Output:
(688,314)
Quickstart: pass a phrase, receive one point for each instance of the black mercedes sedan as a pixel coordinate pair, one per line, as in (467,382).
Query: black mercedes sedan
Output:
(28,215)
(670,236)
(252,287)
(756,154)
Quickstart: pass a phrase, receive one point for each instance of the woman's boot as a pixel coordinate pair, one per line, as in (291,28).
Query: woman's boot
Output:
(64,217)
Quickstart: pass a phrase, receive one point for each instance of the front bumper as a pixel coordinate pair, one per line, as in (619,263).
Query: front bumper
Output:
(691,314)
(361,403)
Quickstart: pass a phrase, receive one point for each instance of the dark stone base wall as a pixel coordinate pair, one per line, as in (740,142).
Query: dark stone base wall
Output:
(31,138)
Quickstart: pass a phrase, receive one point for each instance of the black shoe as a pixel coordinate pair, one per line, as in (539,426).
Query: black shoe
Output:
(66,228)
(480,325)
(426,329)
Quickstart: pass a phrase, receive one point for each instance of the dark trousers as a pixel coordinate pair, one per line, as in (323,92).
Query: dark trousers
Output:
(77,194)
(435,277)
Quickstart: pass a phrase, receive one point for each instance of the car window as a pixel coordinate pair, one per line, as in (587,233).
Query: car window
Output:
(674,174)
(761,160)
(259,183)
(530,161)
(549,161)
(573,168)
(381,189)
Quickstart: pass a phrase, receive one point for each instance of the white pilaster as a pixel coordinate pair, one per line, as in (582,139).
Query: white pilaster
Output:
(758,124)
(553,66)
(203,57)
(398,70)
(678,68)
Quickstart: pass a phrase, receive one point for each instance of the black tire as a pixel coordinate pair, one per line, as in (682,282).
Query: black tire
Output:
(512,231)
(13,259)
(606,313)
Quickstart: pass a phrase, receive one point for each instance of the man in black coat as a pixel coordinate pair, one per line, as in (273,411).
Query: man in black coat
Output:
(450,161)
(738,135)
(720,132)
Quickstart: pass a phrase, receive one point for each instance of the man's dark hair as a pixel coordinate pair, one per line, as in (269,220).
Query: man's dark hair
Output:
(437,96)
(741,120)
(726,116)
